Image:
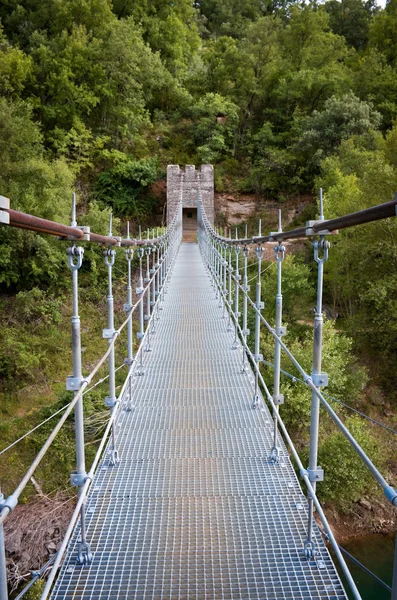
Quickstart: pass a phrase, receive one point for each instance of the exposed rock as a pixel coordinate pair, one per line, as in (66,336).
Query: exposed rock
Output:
(365,504)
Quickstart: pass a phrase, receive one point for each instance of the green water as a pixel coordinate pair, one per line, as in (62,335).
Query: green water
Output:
(376,552)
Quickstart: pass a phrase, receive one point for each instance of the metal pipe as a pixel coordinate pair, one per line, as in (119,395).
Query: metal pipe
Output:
(259,305)
(111,400)
(245,289)
(129,253)
(75,259)
(236,294)
(314,471)
(229,291)
(279,252)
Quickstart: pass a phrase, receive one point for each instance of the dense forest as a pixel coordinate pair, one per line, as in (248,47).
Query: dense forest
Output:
(282,97)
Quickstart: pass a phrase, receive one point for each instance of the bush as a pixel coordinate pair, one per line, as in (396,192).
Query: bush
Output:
(124,187)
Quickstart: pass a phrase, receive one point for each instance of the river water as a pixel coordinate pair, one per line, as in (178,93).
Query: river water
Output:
(376,552)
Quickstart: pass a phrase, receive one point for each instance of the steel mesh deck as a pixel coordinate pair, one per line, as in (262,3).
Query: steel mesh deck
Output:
(194,510)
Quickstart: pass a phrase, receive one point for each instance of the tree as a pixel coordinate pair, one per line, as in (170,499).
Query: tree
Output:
(383,32)
(351,19)
(341,118)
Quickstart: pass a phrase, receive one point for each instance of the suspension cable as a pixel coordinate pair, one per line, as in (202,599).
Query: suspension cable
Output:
(294,378)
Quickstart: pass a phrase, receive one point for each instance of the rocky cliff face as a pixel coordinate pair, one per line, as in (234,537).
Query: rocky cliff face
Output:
(235,208)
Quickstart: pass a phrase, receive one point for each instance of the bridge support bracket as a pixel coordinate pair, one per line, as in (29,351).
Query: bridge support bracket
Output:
(84,554)
(320,379)
(279,399)
(78,479)
(110,402)
(108,334)
(280,331)
(316,474)
(309,550)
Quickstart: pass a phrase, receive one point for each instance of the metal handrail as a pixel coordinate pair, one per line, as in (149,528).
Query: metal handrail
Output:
(219,274)
(166,245)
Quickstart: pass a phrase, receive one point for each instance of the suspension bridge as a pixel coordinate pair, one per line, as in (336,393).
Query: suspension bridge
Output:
(193,492)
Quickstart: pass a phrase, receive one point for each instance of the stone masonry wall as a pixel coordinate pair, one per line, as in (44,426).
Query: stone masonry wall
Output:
(186,182)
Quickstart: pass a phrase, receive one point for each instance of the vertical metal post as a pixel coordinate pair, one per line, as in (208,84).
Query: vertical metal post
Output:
(259,306)
(153,291)
(236,294)
(319,379)
(146,280)
(139,290)
(111,400)
(129,253)
(220,261)
(246,289)
(279,252)
(3,563)
(73,383)
(229,291)
(224,286)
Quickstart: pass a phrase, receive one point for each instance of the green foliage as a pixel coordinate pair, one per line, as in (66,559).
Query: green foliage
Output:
(341,118)
(346,379)
(357,177)
(346,478)
(100,96)
(351,19)
(123,187)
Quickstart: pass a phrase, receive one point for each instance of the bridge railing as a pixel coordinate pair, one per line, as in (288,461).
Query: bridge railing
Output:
(218,251)
(156,256)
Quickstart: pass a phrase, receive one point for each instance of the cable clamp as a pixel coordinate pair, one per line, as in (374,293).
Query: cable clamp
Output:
(279,399)
(280,331)
(139,290)
(320,379)
(78,479)
(316,474)
(108,334)
(127,307)
(246,288)
(86,238)
(4,205)
(73,384)
(246,331)
(110,401)
(260,305)
(258,357)
(309,229)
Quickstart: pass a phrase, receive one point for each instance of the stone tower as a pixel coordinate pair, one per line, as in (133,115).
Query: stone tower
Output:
(185,184)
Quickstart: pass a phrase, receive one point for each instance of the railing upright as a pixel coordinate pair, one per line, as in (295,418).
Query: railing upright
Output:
(279,253)
(259,305)
(319,379)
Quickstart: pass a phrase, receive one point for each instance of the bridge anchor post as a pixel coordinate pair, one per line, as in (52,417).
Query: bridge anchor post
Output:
(319,379)
(279,253)
(237,277)
(246,289)
(73,383)
(259,305)
(111,401)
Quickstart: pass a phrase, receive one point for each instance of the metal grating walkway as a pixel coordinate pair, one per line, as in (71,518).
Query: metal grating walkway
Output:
(194,510)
